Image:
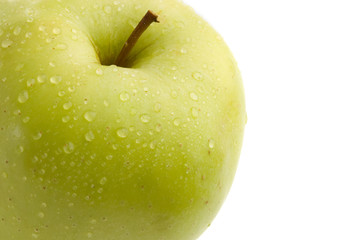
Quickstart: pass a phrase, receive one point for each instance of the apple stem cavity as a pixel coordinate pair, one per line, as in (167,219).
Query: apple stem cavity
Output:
(145,22)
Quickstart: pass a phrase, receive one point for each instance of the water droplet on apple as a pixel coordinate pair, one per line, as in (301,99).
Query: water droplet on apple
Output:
(90,116)
(158,127)
(23,96)
(211,143)
(4,175)
(61,93)
(19,67)
(100,190)
(107,9)
(17,112)
(21,149)
(174,94)
(124,96)
(183,50)
(61,46)
(29,12)
(41,78)
(89,235)
(179,23)
(122,133)
(6,43)
(93,221)
(145,118)
(197,76)
(89,136)
(176,122)
(41,215)
(55,79)
(42,28)
(157,107)
(99,71)
(69,147)
(71,89)
(194,112)
(132,111)
(17,31)
(193,96)
(133,23)
(106,103)
(103,180)
(67,105)
(35,159)
(56,31)
(28,34)
(37,136)
(152,145)
(30,82)
(65,119)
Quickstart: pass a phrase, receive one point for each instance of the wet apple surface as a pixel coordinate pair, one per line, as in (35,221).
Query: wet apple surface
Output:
(91,150)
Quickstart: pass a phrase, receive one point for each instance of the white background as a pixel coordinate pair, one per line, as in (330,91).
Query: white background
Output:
(299,172)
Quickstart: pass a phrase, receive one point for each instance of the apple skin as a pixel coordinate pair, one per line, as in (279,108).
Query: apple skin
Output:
(89,150)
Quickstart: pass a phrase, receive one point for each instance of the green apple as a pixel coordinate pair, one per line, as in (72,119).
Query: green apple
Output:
(146,150)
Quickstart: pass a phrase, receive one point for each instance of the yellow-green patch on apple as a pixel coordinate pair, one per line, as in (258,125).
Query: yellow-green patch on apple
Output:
(92,150)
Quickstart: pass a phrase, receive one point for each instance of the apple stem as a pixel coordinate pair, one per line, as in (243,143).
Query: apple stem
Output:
(145,22)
